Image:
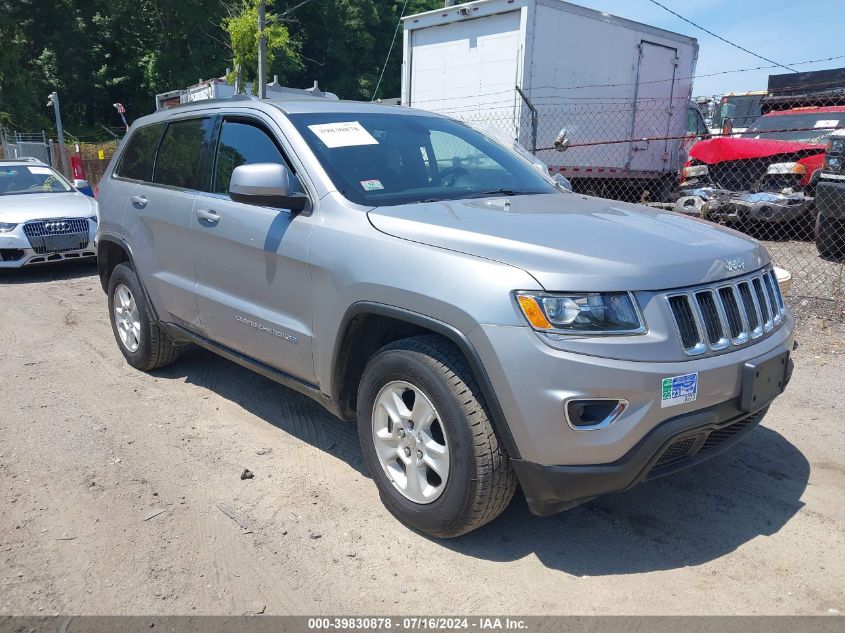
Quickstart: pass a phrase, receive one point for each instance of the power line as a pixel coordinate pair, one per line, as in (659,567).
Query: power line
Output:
(389,50)
(742,48)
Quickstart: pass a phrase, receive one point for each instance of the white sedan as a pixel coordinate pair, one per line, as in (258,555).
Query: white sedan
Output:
(43,218)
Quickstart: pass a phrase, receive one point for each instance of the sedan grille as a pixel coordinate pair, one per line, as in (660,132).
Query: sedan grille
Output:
(727,315)
(42,235)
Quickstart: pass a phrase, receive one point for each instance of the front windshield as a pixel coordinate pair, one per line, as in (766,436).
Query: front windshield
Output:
(387,159)
(807,127)
(741,110)
(22,179)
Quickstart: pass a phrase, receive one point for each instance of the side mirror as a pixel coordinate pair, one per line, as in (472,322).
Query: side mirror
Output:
(266,185)
(562,182)
(83,187)
(562,140)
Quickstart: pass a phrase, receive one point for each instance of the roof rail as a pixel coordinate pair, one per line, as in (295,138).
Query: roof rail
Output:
(238,97)
(23,159)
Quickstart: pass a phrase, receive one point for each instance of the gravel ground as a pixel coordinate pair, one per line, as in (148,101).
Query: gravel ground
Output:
(121,494)
(818,285)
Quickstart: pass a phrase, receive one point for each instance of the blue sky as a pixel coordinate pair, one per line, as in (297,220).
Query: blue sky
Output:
(782,30)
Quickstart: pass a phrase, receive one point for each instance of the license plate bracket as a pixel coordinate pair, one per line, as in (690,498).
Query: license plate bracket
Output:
(764,379)
(61,243)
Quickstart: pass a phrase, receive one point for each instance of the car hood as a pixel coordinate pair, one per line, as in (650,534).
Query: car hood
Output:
(578,243)
(717,150)
(41,206)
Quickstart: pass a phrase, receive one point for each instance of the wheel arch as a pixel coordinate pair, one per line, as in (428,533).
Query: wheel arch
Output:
(367,326)
(111,251)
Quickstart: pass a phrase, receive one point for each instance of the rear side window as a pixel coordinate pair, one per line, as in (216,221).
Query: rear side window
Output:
(178,160)
(241,144)
(138,157)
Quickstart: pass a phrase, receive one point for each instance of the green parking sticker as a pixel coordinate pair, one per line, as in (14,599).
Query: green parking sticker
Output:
(678,390)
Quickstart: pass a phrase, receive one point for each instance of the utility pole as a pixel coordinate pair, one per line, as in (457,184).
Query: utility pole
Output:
(262,50)
(53,100)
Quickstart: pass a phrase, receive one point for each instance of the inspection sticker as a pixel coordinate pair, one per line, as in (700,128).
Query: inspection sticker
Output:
(679,390)
(372,185)
(346,134)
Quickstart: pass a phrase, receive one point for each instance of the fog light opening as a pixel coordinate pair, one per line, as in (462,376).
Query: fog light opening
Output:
(590,414)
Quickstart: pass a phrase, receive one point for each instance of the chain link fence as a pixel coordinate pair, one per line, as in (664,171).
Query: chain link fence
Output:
(94,157)
(763,179)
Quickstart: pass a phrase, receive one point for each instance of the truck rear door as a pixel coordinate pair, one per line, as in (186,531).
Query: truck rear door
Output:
(656,108)
(466,67)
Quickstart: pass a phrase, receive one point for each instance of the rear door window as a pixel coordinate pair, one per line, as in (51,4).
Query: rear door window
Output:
(138,157)
(180,153)
(243,143)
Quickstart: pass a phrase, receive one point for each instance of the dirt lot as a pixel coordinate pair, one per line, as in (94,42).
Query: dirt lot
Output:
(91,451)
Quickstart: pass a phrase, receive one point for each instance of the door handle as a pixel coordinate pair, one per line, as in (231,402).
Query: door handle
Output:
(139,201)
(207,216)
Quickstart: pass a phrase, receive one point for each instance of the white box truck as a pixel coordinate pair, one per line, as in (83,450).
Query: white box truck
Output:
(612,94)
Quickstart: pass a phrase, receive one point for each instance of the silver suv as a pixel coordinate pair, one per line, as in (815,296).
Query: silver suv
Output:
(484,326)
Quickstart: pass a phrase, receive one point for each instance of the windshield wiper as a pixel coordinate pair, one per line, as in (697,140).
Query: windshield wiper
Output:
(499,192)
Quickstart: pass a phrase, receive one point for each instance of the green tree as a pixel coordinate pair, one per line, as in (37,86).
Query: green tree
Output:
(344,44)
(17,89)
(98,52)
(241,25)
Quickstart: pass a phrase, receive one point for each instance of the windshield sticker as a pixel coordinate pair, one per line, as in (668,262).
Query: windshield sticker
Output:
(347,134)
(372,185)
(827,123)
(679,390)
(44,171)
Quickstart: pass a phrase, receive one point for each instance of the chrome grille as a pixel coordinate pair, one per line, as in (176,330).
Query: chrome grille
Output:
(76,227)
(728,314)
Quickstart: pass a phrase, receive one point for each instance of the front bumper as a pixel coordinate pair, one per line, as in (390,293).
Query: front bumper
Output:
(559,466)
(678,443)
(16,251)
(763,206)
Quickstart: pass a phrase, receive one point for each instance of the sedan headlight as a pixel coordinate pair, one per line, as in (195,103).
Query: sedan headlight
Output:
(5,227)
(694,171)
(582,312)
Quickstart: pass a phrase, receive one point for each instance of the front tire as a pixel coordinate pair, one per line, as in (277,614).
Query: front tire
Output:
(830,237)
(143,343)
(428,441)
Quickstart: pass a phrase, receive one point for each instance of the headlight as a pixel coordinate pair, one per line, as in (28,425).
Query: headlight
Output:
(833,164)
(786,168)
(695,171)
(5,227)
(582,313)
(836,146)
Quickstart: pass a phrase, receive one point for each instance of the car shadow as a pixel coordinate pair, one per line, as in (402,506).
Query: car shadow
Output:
(280,406)
(687,519)
(693,517)
(42,273)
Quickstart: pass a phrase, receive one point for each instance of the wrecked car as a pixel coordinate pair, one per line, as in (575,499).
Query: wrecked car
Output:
(765,175)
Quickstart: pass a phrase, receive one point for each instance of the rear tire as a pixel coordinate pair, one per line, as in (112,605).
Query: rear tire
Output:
(142,342)
(830,237)
(479,482)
